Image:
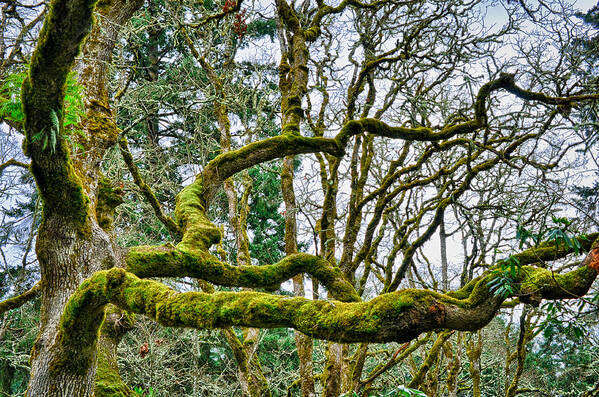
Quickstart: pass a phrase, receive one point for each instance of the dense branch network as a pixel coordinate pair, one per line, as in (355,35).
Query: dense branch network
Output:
(396,316)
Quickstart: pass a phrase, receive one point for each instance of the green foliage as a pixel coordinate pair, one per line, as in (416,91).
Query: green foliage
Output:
(11,108)
(10,97)
(505,275)
(564,340)
(504,278)
(523,234)
(10,100)
(15,348)
(262,27)
(559,234)
(265,222)
(142,393)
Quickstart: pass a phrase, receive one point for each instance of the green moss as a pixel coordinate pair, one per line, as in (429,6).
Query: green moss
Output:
(108,381)
(198,232)
(79,330)
(398,316)
(164,261)
(550,251)
(312,33)
(43,93)
(108,199)
(549,285)
(101,127)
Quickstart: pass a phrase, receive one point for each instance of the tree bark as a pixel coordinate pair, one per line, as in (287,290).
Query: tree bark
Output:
(303,342)
(71,245)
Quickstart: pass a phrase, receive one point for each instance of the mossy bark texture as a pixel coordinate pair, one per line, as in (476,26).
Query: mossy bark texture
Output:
(398,316)
(72,241)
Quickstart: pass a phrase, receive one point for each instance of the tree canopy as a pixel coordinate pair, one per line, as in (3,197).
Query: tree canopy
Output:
(423,165)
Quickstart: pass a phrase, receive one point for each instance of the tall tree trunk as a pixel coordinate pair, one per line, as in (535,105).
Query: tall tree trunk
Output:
(444,265)
(71,244)
(524,337)
(302,342)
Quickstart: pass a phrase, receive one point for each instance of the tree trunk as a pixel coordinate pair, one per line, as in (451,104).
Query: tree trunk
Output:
(302,342)
(71,244)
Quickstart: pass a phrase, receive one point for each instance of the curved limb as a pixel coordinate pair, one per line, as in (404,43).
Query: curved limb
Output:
(20,300)
(397,316)
(168,261)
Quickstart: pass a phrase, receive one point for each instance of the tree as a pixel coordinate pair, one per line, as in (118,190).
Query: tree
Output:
(406,58)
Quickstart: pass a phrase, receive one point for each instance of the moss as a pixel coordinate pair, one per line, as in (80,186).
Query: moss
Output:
(398,316)
(164,261)
(101,126)
(198,232)
(108,381)
(20,300)
(108,199)
(79,330)
(312,33)
(550,251)
(549,285)
(63,31)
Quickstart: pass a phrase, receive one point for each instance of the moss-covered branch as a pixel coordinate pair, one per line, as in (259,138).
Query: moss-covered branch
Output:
(14,163)
(228,164)
(398,316)
(169,261)
(199,233)
(108,379)
(65,27)
(20,300)
(550,251)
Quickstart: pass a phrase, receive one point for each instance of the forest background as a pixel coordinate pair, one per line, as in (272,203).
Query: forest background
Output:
(483,180)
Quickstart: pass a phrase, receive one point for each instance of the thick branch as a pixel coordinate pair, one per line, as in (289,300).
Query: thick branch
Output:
(20,300)
(397,316)
(65,27)
(169,262)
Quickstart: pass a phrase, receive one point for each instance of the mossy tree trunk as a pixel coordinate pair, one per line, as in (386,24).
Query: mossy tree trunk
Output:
(72,242)
(474,350)
(525,335)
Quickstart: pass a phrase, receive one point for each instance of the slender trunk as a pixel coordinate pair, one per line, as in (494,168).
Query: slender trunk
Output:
(302,342)
(443,243)
(508,355)
(474,351)
(430,359)
(332,372)
(334,367)
(523,338)
(453,365)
